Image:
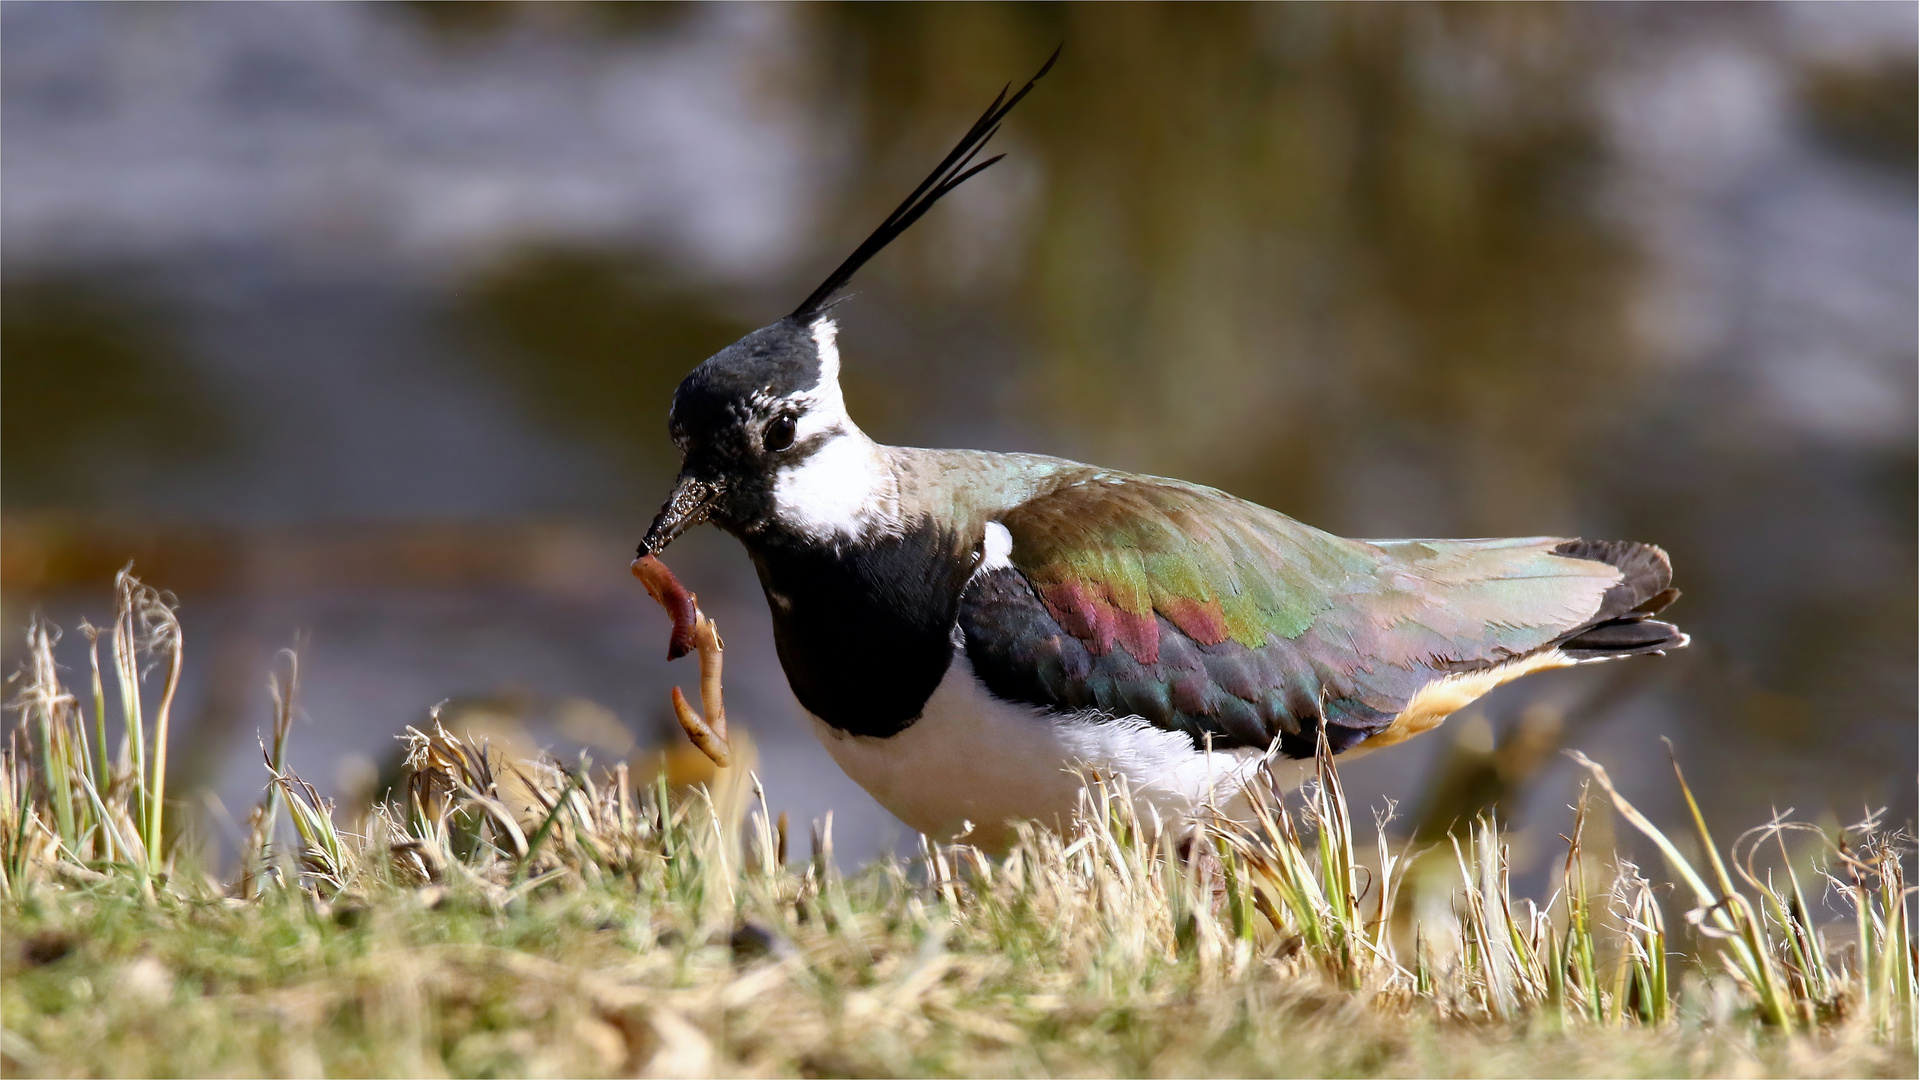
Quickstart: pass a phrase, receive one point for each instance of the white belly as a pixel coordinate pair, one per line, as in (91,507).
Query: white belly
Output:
(973,760)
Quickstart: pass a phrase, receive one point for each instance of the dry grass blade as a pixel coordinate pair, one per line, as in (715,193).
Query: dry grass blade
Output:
(324,855)
(1726,909)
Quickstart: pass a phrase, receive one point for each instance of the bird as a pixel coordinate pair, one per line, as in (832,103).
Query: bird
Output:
(976,636)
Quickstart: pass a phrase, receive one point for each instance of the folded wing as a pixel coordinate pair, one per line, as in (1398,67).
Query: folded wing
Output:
(1203,613)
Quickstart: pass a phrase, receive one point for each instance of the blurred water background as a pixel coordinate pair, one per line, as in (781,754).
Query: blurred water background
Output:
(355,325)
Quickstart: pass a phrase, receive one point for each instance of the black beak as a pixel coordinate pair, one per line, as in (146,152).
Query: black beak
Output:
(690,503)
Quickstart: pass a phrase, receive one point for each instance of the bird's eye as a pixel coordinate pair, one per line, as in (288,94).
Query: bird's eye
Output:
(779,434)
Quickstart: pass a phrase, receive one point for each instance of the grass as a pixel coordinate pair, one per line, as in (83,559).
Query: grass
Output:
(504,917)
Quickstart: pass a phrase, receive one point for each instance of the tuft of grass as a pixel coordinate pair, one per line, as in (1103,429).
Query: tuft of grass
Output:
(508,916)
(73,812)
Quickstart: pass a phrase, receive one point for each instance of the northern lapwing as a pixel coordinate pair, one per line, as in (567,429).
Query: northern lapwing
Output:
(974,633)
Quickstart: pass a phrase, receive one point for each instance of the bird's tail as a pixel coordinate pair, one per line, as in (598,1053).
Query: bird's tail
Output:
(1624,624)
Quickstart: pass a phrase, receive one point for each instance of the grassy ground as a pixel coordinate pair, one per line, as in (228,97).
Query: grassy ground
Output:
(520,918)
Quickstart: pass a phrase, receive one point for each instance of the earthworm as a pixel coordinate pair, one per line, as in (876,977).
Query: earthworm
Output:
(692,631)
(671,595)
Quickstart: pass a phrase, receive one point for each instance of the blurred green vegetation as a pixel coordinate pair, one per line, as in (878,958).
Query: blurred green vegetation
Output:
(593,343)
(1275,243)
(1261,266)
(1870,111)
(97,393)
(461,20)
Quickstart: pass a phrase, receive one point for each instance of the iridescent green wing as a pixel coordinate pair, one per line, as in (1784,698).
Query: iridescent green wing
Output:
(1207,614)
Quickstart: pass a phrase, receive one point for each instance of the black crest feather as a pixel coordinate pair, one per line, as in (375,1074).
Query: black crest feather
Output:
(955,170)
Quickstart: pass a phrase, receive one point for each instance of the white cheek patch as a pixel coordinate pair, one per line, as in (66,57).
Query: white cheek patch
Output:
(996,552)
(842,491)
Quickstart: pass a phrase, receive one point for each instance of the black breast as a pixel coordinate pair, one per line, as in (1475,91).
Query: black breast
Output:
(865,631)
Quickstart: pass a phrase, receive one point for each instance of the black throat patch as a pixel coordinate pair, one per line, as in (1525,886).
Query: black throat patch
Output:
(864,630)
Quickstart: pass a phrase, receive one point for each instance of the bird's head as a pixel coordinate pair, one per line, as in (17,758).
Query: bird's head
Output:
(759,416)
(762,429)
